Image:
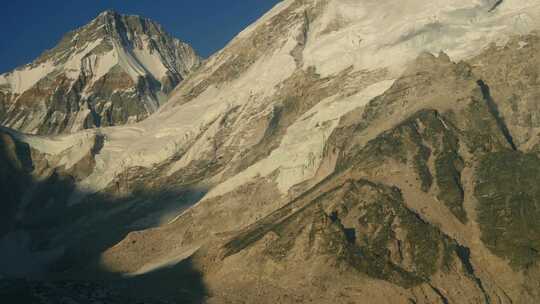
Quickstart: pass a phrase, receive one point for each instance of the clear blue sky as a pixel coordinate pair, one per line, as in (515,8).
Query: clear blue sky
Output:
(28,27)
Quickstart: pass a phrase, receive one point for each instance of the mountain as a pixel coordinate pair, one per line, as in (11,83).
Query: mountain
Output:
(115,70)
(335,151)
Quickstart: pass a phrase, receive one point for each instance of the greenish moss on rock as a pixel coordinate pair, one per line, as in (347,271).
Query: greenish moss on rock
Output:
(508,196)
(448,168)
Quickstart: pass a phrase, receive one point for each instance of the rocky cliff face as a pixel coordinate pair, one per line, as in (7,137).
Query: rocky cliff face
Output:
(114,70)
(331,153)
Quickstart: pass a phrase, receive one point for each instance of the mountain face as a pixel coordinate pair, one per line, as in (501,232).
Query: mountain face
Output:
(114,70)
(335,151)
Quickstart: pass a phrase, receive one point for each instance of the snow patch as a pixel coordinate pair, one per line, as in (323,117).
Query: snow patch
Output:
(78,123)
(151,61)
(522,44)
(75,63)
(278,8)
(378,34)
(128,63)
(104,64)
(23,79)
(301,151)
(55,145)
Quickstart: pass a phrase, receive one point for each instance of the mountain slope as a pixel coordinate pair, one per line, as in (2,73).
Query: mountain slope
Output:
(114,70)
(334,151)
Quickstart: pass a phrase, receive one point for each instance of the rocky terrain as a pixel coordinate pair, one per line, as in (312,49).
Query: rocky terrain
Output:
(114,70)
(335,151)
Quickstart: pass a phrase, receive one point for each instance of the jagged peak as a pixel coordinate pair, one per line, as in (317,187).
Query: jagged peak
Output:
(115,14)
(139,46)
(108,12)
(135,23)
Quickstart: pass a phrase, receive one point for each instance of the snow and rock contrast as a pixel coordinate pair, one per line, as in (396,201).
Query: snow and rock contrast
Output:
(115,70)
(334,151)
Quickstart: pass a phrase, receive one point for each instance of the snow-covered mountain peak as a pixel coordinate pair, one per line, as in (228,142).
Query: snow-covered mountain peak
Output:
(112,59)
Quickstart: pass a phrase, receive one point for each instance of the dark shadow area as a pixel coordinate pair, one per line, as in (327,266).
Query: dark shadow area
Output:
(464,255)
(66,242)
(494,110)
(176,284)
(443,299)
(350,234)
(497,4)
(180,283)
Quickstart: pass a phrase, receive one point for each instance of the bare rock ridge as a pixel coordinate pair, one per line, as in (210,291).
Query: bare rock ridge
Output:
(114,70)
(335,151)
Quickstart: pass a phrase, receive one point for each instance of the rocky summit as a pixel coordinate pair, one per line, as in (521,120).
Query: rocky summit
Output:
(335,151)
(115,70)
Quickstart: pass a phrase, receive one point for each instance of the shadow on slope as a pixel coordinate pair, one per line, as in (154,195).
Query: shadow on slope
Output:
(176,284)
(52,250)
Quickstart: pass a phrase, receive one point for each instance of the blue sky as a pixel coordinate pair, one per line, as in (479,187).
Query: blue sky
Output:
(28,27)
